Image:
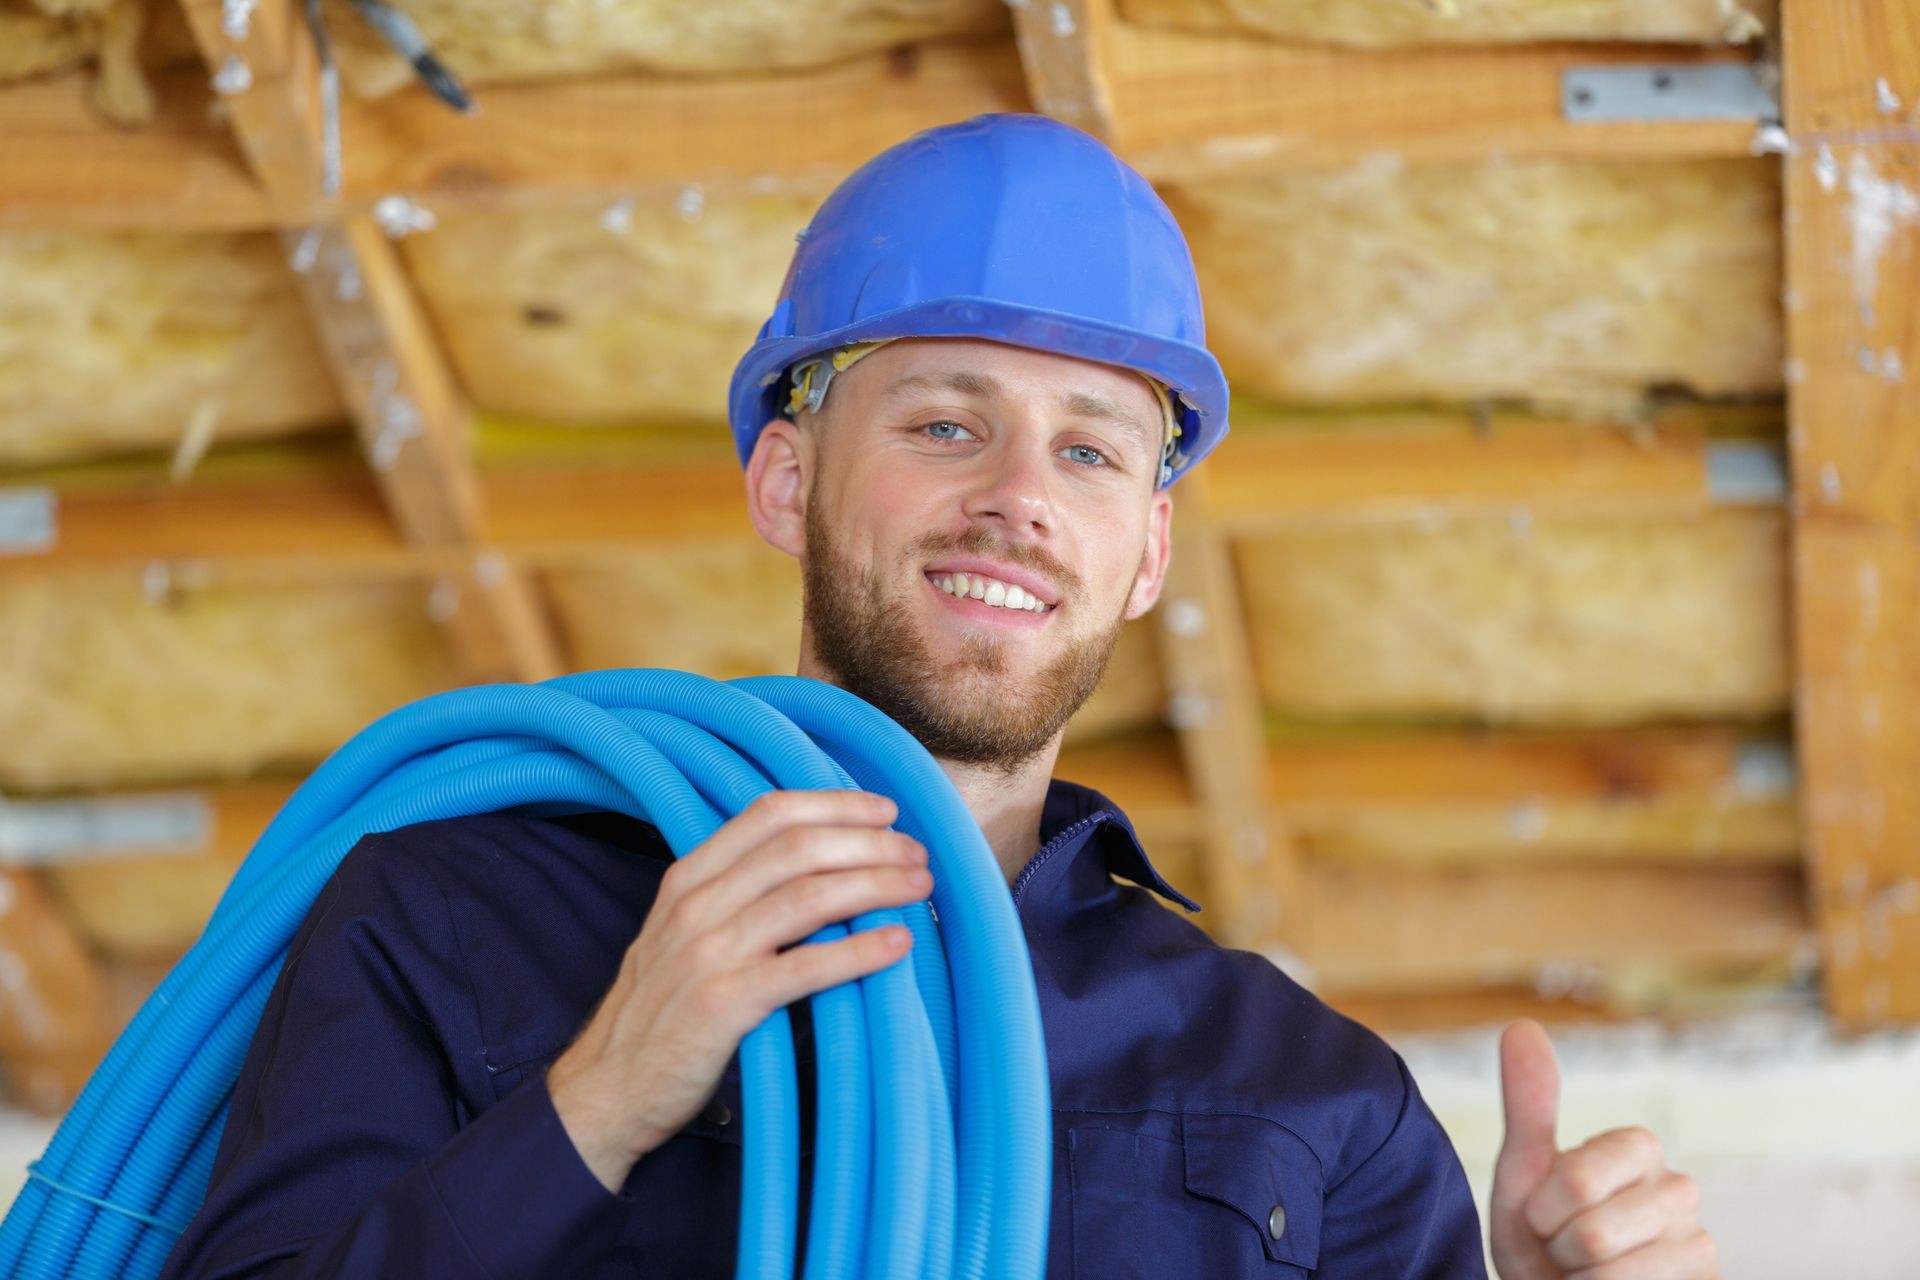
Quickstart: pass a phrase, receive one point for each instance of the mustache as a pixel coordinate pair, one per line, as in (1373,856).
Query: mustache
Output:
(980,541)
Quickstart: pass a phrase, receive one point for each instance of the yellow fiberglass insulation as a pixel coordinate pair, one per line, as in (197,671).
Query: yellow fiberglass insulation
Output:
(733,609)
(1572,620)
(529,39)
(34,43)
(109,684)
(636,313)
(114,341)
(46,37)
(1567,286)
(1389,23)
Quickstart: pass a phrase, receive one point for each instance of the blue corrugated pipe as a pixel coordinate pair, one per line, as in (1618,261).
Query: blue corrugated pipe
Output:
(933,1154)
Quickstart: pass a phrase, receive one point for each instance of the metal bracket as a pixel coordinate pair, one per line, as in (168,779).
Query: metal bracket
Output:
(44,832)
(1746,473)
(29,521)
(1705,91)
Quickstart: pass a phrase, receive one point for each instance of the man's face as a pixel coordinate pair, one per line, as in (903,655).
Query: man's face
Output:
(1024,480)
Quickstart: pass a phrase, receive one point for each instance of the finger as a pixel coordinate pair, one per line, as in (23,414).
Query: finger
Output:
(770,814)
(1659,1208)
(791,856)
(1530,1098)
(1693,1257)
(799,910)
(1591,1173)
(814,966)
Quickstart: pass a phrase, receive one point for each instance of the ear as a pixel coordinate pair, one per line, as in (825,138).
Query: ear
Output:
(1152,574)
(777,486)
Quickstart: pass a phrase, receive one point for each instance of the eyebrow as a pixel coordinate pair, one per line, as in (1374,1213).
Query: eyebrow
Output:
(1077,404)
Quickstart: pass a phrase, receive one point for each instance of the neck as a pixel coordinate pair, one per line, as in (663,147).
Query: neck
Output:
(1006,804)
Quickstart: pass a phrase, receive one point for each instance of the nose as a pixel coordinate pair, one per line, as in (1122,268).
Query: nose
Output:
(1015,492)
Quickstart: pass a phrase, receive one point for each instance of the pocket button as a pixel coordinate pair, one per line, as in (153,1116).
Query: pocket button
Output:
(1277,1221)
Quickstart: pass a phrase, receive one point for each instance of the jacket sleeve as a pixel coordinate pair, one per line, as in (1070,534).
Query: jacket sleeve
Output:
(1404,1211)
(354,1147)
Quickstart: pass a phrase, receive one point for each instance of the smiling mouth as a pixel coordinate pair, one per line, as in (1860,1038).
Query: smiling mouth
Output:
(989,591)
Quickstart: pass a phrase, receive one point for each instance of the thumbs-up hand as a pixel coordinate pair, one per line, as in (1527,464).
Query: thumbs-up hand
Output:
(1610,1209)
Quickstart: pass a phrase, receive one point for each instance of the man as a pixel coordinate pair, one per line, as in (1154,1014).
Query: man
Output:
(503,1045)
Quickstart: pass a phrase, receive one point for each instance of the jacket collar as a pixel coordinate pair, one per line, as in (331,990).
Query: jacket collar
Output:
(1076,817)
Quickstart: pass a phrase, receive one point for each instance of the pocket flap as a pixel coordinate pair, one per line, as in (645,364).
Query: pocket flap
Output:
(1256,1167)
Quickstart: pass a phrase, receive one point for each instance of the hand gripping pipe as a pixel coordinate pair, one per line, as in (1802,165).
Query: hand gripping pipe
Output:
(933,1143)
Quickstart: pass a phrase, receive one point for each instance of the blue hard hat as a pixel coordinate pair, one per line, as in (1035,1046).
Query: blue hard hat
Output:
(1015,228)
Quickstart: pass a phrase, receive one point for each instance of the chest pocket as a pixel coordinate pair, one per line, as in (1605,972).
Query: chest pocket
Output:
(1221,1196)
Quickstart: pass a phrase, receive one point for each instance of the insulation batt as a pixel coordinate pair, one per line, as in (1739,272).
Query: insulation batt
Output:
(634,313)
(105,686)
(1586,620)
(115,341)
(43,37)
(1389,23)
(1570,287)
(34,43)
(529,39)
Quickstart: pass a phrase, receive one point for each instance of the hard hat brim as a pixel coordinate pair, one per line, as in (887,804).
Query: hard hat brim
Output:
(1189,370)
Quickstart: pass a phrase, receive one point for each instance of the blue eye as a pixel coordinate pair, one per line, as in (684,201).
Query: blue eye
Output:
(935,429)
(1086,454)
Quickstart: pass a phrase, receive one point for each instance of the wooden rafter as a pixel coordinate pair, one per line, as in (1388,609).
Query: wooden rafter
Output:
(545,143)
(547,510)
(1062,47)
(1184,105)
(1178,105)
(263,57)
(1386,929)
(1852,84)
(63,166)
(1214,705)
(376,336)
(1450,798)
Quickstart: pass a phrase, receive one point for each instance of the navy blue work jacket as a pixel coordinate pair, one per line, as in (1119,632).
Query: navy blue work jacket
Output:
(1211,1118)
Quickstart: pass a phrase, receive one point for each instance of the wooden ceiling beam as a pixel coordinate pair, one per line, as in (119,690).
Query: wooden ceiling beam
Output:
(1062,48)
(1188,106)
(1852,82)
(405,403)
(65,167)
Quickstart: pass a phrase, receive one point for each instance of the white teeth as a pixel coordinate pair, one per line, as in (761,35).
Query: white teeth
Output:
(1000,595)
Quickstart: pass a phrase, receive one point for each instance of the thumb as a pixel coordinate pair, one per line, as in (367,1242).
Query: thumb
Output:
(1530,1092)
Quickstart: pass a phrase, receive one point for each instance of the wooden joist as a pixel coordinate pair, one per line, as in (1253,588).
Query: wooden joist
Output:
(1185,105)
(587,139)
(1382,464)
(264,55)
(1852,82)
(606,137)
(1179,105)
(62,166)
(1214,706)
(392,373)
(56,1019)
(1439,798)
(1371,930)
(545,510)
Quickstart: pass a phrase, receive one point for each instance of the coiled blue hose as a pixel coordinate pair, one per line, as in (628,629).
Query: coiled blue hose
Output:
(933,1147)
